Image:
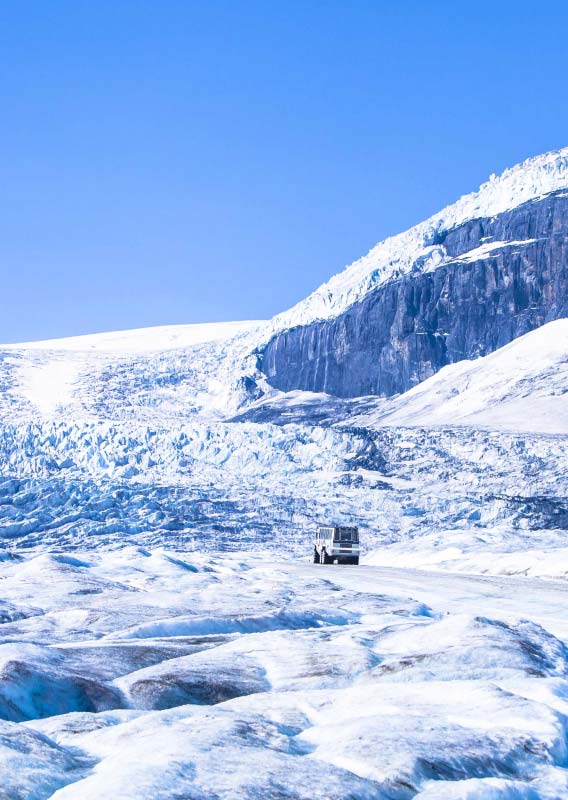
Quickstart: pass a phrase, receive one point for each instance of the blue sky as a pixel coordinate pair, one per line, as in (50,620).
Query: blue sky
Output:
(165,162)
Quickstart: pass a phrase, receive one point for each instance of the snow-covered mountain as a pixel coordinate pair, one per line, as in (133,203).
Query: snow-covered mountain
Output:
(416,249)
(141,659)
(462,284)
(519,388)
(177,435)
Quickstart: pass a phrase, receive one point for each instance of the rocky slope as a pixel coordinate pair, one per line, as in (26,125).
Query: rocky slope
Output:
(454,289)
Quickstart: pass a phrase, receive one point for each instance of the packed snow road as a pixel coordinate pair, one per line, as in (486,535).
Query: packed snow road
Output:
(151,675)
(506,598)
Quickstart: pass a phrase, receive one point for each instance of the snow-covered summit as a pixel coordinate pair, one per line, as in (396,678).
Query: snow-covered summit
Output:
(532,179)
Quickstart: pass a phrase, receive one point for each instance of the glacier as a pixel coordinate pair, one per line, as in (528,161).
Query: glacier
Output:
(163,633)
(142,443)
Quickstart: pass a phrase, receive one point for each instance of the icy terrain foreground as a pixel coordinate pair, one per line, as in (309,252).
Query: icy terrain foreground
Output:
(137,674)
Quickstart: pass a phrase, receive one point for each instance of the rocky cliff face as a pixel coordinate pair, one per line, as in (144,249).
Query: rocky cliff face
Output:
(491,280)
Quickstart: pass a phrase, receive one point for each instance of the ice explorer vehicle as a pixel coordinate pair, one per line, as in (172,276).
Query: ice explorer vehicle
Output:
(336,544)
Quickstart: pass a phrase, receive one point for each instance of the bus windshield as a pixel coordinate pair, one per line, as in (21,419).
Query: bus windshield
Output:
(346,535)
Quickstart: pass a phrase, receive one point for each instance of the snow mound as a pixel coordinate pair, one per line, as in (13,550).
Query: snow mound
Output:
(492,551)
(205,626)
(520,387)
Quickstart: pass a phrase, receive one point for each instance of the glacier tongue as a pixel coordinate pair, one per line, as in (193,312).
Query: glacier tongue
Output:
(133,446)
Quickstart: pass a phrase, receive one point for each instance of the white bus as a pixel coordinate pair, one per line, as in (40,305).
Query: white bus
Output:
(336,544)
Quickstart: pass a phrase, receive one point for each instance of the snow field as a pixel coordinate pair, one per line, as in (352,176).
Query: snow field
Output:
(142,340)
(140,375)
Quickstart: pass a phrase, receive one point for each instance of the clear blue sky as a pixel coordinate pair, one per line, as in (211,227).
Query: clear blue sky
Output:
(165,162)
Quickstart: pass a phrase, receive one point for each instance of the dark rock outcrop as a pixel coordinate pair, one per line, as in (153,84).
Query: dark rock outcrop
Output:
(407,329)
